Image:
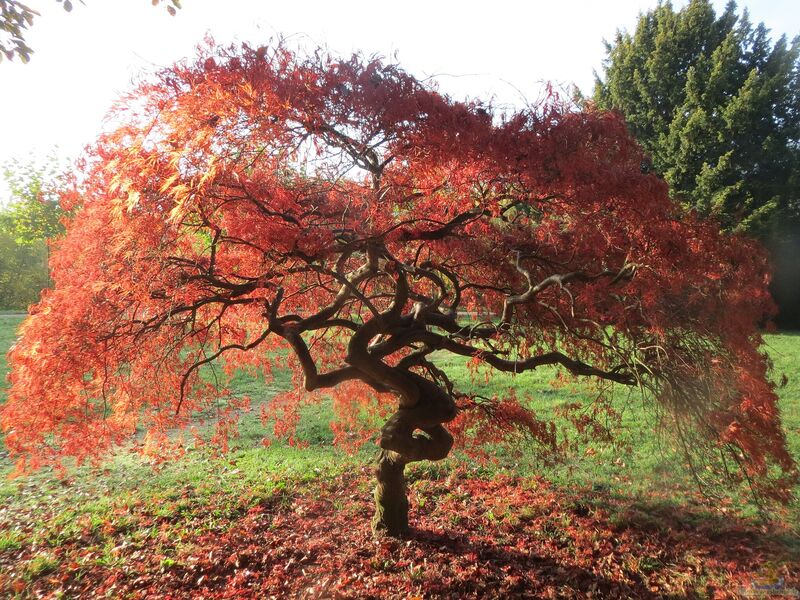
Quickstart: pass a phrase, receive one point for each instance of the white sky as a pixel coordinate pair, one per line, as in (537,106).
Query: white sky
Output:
(84,59)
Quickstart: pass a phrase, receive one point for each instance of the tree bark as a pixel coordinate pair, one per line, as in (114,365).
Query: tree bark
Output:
(391,500)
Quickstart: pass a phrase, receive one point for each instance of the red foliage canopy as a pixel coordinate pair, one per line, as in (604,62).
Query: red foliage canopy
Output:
(256,199)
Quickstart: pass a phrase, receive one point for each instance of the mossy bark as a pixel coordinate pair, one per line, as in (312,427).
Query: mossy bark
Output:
(391,499)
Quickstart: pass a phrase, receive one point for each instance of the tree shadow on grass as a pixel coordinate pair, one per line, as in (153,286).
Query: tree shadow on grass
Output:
(508,573)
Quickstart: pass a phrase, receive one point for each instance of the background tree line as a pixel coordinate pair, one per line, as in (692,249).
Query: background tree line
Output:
(27,220)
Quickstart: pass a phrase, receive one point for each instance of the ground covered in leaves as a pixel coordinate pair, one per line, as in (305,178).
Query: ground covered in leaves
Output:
(502,537)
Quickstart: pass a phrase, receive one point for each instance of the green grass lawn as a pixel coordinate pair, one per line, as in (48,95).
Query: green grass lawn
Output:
(639,461)
(638,475)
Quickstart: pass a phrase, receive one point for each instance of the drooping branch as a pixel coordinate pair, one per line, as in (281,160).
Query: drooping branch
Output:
(626,272)
(619,374)
(445,230)
(212,357)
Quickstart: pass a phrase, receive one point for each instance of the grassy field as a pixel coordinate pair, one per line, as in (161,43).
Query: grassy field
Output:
(128,522)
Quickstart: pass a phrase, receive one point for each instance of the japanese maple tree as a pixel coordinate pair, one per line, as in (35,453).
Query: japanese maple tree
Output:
(255,203)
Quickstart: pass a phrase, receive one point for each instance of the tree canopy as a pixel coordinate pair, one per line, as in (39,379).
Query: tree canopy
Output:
(339,216)
(716,104)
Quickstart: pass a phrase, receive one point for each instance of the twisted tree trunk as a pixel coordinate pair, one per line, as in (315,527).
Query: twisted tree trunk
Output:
(411,434)
(415,431)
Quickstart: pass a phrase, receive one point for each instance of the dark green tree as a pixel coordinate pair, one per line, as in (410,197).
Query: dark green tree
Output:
(717,106)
